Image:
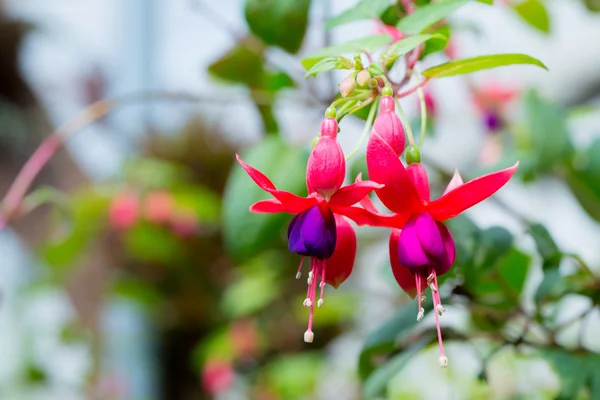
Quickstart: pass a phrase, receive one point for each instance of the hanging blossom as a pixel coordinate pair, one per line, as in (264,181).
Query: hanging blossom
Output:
(421,247)
(318,229)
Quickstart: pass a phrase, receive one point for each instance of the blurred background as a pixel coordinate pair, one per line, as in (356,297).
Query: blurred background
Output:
(140,274)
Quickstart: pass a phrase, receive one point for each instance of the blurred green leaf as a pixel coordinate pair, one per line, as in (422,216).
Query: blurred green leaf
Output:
(404,46)
(359,166)
(384,339)
(132,289)
(428,15)
(494,243)
(88,214)
(279,23)
(549,143)
(250,293)
(242,64)
(34,375)
(575,371)
(583,177)
(545,246)
(501,286)
(276,81)
(205,204)
(368,44)
(152,243)
(552,286)
(468,65)
(376,384)
(488,2)
(592,5)
(328,64)
(466,238)
(292,376)
(534,13)
(364,9)
(247,234)
(154,173)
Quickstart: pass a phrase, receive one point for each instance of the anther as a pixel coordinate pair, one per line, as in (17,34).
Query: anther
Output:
(440,309)
(420,315)
(298,275)
(320,303)
(443,359)
(423,298)
(309,281)
(430,278)
(309,337)
(433,287)
(307,303)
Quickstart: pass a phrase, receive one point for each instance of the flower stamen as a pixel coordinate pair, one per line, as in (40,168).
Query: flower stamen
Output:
(299,273)
(436,302)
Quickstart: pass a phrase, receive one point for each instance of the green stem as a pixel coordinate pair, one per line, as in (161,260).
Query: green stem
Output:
(356,108)
(423,116)
(360,96)
(345,108)
(405,122)
(366,129)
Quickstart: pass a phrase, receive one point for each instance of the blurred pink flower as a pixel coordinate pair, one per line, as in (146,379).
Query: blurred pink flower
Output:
(124,210)
(158,206)
(184,222)
(217,376)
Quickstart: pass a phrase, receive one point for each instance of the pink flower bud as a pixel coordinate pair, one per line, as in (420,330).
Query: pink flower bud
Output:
(124,210)
(158,206)
(347,86)
(363,78)
(326,168)
(339,265)
(387,125)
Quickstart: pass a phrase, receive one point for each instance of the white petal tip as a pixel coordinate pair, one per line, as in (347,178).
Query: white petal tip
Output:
(320,302)
(309,337)
(443,360)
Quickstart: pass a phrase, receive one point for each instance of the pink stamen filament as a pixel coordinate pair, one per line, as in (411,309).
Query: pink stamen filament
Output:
(436,301)
(317,267)
(299,273)
(323,264)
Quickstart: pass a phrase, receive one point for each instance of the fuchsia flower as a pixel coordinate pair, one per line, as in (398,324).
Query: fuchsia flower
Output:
(491,100)
(424,248)
(124,210)
(318,229)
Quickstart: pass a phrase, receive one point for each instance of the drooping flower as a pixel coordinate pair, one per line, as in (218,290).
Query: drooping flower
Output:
(421,247)
(318,230)
(491,100)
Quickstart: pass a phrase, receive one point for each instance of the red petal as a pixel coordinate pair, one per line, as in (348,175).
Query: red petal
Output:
(287,198)
(366,202)
(273,206)
(258,177)
(467,195)
(340,264)
(399,193)
(352,194)
(405,279)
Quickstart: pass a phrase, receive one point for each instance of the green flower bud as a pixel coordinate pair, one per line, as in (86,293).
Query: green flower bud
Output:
(331,112)
(413,155)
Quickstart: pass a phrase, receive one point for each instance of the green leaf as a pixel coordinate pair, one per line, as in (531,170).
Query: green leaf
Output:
(376,384)
(575,370)
(534,13)
(257,291)
(384,339)
(545,246)
(488,2)
(403,46)
(328,64)
(592,5)
(501,286)
(276,81)
(433,46)
(468,65)
(279,23)
(494,243)
(292,376)
(367,44)
(552,286)
(242,64)
(583,178)
(151,243)
(428,15)
(364,9)
(549,142)
(245,233)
